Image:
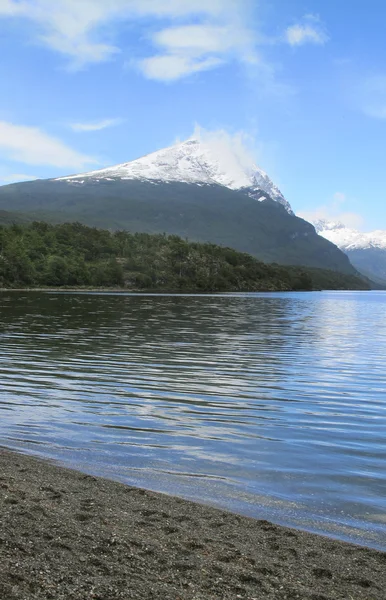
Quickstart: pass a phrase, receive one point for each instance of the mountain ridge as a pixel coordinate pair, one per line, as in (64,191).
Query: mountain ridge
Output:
(366,251)
(347,238)
(198,195)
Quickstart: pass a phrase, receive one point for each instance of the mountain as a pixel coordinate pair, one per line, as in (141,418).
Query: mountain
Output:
(191,189)
(190,162)
(366,251)
(10,218)
(350,239)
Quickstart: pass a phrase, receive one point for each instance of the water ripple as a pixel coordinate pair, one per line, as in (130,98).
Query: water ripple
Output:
(271,405)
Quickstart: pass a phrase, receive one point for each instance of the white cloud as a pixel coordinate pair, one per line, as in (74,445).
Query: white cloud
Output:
(10,8)
(334,211)
(197,39)
(33,146)
(191,35)
(237,152)
(15,177)
(68,26)
(309,31)
(96,126)
(188,49)
(178,8)
(77,28)
(171,67)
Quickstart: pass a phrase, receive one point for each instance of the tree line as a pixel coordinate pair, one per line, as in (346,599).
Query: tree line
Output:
(39,254)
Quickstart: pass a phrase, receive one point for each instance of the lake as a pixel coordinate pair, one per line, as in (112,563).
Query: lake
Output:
(270,405)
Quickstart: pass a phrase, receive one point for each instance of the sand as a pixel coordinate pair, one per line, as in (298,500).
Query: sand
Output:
(69,536)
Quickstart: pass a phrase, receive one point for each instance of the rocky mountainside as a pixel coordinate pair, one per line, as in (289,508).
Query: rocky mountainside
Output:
(366,251)
(192,190)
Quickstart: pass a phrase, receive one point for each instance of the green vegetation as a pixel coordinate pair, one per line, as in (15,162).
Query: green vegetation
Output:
(74,255)
(209,213)
(9,218)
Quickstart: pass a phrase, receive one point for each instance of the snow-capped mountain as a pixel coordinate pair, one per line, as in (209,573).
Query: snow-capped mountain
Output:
(366,251)
(350,239)
(203,190)
(192,161)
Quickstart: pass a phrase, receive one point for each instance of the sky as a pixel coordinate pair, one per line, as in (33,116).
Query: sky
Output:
(91,83)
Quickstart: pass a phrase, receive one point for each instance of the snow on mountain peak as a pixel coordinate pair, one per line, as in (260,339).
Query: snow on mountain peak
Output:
(324,225)
(193,161)
(350,239)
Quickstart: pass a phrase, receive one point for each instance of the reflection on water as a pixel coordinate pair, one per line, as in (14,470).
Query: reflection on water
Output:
(271,405)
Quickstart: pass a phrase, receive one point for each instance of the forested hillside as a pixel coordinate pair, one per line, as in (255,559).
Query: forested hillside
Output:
(9,218)
(207,213)
(72,254)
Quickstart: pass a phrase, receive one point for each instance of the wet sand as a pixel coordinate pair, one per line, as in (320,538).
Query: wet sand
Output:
(69,536)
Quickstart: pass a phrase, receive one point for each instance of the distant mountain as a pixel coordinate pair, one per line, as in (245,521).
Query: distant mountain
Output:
(366,251)
(190,189)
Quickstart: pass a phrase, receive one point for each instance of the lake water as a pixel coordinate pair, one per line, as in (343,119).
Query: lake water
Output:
(271,405)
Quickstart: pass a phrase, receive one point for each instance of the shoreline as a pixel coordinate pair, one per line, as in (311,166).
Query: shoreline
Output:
(171,292)
(64,534)
(159,292)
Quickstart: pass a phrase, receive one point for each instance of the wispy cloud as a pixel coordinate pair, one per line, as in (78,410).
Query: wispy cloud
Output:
(309,31)
(96,126)
(16,177)
(237,152)
(187,49)
(187,36)
(172,67)
(201,34)
(68,26)
(31,145)
(77,28)
(334,210)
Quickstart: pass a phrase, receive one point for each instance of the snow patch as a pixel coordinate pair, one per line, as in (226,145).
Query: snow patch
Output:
(350,239)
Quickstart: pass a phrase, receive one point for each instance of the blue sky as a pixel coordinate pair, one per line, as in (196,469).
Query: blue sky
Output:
(89,83)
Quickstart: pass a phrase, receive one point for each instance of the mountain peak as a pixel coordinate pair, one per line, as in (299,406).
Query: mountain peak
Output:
(193,161)
(325,225)
(350,239)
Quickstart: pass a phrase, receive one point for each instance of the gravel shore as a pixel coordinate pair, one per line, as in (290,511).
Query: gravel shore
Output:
(69,536)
